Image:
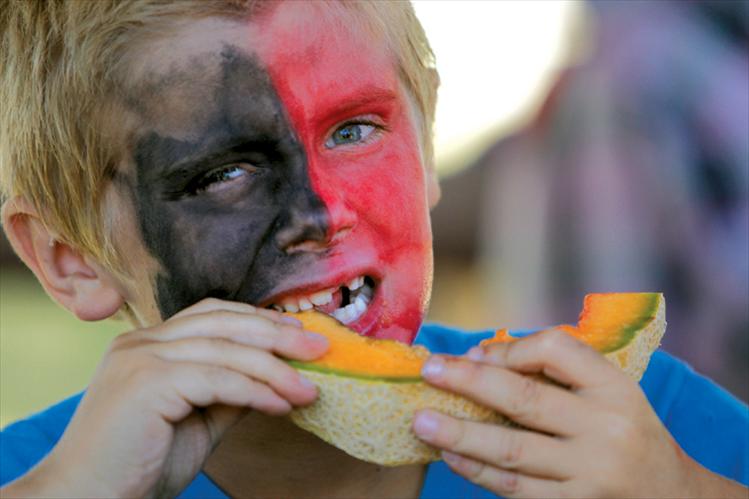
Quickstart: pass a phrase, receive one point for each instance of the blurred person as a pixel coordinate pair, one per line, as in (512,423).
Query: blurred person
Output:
(191,164)
(633,176)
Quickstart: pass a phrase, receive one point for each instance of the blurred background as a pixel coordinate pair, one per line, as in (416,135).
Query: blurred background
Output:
(583,147)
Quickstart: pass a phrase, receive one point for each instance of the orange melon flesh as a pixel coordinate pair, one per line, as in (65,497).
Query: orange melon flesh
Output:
(370,389)
(351,354)
(608,321)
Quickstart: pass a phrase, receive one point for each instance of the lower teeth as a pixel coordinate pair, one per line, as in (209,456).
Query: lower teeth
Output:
(359,302)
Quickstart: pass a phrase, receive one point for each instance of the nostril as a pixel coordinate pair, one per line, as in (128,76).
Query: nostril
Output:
(340,234)
(305,247)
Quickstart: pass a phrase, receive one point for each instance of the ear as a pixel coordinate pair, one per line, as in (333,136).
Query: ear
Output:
(69,277)
(433,187)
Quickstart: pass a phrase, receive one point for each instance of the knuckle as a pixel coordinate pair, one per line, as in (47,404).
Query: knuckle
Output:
(280,339)
(496,353)
(122,341)
(554,340)
(141,374)
(477,471)
(621,430)
(127,361)
(209,302)
(288,376)
(143,377)
(466,373)
(507,481)
(510,450)
(285,335)
(525,402)
(216,376)
(213,316)
(454,433)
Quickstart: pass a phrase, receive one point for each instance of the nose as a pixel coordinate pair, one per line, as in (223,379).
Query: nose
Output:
(314,224)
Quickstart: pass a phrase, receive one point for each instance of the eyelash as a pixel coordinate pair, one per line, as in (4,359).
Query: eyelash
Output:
(204,183)
(377,129)
(213,177)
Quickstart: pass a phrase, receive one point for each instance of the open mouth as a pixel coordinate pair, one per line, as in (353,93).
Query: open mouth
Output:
(347,303)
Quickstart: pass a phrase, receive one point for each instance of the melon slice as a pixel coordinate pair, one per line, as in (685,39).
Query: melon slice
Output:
(370,389)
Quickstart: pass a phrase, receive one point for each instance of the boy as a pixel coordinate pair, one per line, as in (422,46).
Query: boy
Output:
(195,165)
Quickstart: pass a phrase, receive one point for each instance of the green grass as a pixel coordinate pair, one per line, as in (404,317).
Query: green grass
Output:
(46,354)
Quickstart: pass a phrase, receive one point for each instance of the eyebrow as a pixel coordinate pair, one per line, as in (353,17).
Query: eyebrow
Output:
(351,102)
(175,160)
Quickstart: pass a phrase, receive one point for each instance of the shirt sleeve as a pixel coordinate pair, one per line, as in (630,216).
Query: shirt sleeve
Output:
(24,443)
(710,424)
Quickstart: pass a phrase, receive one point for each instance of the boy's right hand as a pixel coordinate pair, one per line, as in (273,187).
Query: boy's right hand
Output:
(163,396)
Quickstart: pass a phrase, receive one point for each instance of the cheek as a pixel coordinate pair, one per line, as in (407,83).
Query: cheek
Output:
(385,189)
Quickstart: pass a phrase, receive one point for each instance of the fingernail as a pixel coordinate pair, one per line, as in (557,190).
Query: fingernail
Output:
(291,321)
(426,424)
(434,368)
(476,354)
(317,338)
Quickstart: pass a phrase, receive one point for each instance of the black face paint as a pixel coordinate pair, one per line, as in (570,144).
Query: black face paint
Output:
(225,240)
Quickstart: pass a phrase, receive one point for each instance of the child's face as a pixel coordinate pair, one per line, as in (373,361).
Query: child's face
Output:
(275,159)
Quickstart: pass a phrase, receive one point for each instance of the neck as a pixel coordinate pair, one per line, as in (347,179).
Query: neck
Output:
(264,456)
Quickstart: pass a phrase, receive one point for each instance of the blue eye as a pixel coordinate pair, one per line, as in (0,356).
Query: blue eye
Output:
(221,178)
(350,133)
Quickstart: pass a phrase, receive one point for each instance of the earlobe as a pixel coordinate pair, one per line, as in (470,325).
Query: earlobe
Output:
(68,276)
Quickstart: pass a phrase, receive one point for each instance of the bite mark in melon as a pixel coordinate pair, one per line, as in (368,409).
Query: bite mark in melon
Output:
(369,389)
(353,355)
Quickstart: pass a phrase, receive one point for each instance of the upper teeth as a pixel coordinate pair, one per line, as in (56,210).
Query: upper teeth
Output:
(359,301)
(356,283)
(322,297)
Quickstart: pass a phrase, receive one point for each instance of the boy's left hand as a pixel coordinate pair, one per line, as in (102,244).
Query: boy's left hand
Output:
(598,438)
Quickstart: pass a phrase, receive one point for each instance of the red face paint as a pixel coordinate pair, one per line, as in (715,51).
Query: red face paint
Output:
(374,190)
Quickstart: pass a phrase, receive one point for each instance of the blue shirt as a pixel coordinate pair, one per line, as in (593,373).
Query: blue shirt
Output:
(708,423)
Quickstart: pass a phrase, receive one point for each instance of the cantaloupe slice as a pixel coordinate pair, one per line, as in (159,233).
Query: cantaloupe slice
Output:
(370,389)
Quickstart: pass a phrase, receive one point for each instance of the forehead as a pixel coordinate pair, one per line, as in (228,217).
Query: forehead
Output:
(313,53)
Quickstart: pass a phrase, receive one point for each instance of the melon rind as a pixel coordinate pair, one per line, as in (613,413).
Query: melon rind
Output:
(371,419)
(634,357)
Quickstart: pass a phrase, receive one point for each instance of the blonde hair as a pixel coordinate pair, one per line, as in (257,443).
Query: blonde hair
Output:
(58,61)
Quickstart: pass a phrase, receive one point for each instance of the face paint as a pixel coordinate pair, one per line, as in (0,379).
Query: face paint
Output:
(209,208)
(330,77)
(294,168)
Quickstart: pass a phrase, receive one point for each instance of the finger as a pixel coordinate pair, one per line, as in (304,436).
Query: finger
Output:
(186,386)
(251,330)
(502,482)
(554,353)
(214,304)
(503,447)
(526,401)
(259,365)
